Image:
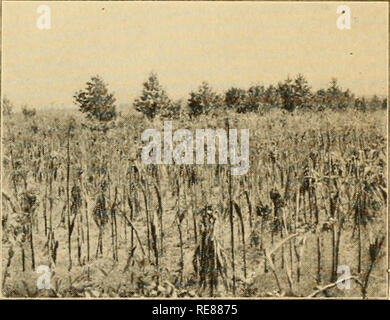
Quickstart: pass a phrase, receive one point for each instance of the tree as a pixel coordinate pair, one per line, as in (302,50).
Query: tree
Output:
(294,93)
(271,96)
(334,90)
(96,101)
(153,99)
(302,92)
(173,110)
(235,99)
(255,98)
(320,100)
(28,112)
(286,92)
(375,103)
(361,104)
(204,100)
(7,106)
(337,99)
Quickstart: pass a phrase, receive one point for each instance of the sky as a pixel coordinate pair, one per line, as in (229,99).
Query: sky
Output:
(185,43)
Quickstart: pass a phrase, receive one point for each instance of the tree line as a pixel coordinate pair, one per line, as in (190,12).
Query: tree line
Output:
(290,95)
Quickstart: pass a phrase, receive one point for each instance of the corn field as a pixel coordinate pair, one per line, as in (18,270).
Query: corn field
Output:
(77,198)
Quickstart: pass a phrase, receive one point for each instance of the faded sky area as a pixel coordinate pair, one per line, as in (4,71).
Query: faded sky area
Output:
(225,43)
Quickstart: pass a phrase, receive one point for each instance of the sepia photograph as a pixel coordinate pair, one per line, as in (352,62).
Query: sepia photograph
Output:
(194,150)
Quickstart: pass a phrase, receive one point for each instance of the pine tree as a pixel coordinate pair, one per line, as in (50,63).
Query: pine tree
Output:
(286,92)
(338,99)
(153,99)
(95,100)
(294,93)
(302,92)
(204,100)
